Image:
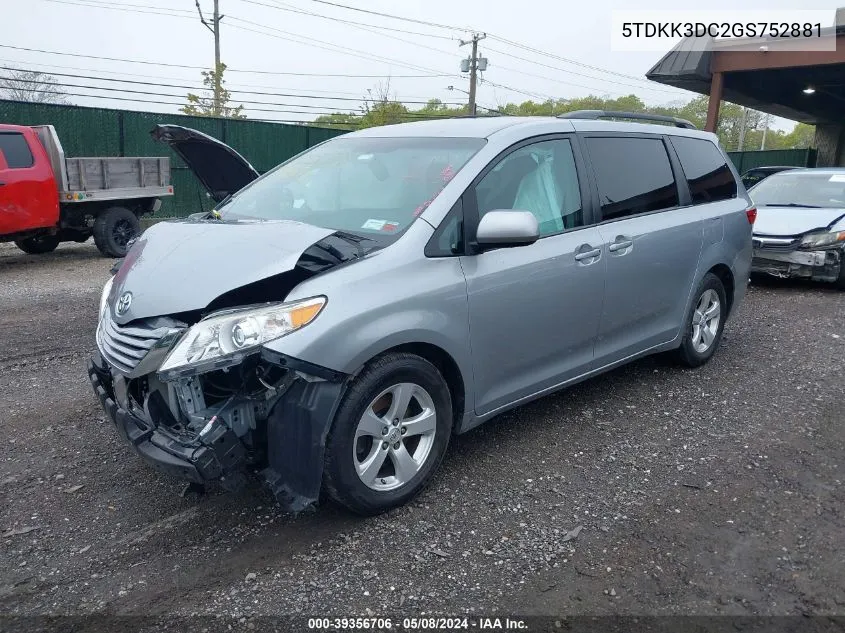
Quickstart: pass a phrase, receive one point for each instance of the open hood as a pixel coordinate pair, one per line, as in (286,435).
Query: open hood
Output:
(789,221)
(218,167)
(178,267)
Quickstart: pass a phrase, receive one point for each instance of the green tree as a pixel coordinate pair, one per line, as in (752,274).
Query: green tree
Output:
(385,109)
(204,105)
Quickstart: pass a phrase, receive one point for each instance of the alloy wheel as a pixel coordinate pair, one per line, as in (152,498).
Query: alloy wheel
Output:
(394,436)
(705,321)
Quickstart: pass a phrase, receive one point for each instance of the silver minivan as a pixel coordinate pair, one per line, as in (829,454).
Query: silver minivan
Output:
(330,324)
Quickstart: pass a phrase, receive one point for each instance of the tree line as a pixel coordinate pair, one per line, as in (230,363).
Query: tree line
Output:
(385,111)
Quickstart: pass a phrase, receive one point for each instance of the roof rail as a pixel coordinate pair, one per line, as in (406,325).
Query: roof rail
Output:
(640,116)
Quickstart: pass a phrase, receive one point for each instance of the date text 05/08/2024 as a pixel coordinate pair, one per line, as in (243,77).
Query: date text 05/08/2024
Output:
(417,624)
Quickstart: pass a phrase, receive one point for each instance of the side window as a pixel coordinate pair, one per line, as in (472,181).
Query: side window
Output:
(15,150)
(634,175)
(448,239)
(540,178)
(709,177)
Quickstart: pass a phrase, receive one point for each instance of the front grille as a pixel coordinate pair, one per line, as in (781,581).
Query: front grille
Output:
(123,347)
(776,244)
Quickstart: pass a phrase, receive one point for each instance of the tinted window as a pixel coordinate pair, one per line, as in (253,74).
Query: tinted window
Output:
(634,175)
(540,178)
(15,150)
(709,177)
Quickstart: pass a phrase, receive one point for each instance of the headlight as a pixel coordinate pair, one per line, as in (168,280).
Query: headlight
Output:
(105,296)
(822,240)
(227,338)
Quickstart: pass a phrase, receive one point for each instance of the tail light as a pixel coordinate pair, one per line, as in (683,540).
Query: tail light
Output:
(751,214)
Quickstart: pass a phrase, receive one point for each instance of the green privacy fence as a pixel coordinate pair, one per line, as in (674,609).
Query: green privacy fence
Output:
(87,131)
(770,158)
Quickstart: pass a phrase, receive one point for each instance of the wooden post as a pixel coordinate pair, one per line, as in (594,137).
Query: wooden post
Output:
(715,100)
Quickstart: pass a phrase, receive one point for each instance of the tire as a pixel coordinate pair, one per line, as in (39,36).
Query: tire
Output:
(38,245)
(693,352)
(352,445)
(113,228)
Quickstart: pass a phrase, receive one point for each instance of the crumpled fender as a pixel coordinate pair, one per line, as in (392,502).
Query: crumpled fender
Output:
(297,428)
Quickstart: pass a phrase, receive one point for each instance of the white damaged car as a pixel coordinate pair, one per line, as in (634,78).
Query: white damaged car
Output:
(800,226)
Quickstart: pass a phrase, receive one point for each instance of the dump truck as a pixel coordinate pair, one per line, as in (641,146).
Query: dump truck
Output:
(46,198)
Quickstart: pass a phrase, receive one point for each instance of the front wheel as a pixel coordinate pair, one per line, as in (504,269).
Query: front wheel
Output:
(113,229)
(38,245)
(705,323)
(389,435)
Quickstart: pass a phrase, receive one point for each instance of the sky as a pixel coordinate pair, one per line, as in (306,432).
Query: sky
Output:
(275,46)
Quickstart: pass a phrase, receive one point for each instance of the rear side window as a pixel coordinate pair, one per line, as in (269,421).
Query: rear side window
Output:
(15,150)
(709,177)
(634,175)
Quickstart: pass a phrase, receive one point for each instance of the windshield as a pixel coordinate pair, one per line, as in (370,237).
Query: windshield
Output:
(368,186)
(804,189)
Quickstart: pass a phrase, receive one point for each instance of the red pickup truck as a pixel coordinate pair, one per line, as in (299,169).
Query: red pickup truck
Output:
(46,198)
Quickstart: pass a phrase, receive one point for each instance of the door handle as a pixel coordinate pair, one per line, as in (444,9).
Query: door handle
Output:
(620,245)
(588,254)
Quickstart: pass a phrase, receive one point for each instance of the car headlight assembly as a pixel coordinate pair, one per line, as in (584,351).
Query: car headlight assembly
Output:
(104,298)
(226,338)
(823,240)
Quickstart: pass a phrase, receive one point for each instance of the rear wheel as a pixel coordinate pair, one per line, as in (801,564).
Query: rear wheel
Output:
(389,435)
(38,245)
(113,229)
(705,323)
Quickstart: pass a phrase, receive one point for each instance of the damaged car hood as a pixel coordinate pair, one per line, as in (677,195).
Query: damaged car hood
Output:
(178,267)
(794,220)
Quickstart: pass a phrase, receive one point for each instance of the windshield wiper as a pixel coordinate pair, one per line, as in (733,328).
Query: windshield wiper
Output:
(793,204)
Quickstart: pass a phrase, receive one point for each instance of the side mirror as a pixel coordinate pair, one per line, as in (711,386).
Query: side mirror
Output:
(507,228)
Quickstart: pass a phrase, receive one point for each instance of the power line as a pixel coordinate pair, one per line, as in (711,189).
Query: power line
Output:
(393,17)
(407,117)
(565,59)
(571,72)
(254,92)
(232,87)
(501,39)
(281,6)
(228,70)
(312,109)
(322,109)
(522,92)
(370,28)
(293,37)
(90,3)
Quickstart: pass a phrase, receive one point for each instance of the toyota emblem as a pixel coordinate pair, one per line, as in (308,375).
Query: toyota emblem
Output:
(123,303)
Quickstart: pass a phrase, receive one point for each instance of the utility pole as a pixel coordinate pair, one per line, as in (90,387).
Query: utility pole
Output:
(217,77)
(214,27)
(765,131)
(742,123)
(475,64)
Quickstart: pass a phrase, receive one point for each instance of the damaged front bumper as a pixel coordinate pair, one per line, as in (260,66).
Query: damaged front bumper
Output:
(279,429)
(821,265)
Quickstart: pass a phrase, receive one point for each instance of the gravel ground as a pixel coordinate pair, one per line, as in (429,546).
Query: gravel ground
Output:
(650,490)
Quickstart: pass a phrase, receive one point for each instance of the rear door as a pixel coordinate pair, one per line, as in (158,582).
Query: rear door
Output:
(28,195)
(652,240)
(533,309)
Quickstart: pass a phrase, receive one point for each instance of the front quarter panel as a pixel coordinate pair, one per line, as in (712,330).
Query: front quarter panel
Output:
(393,297)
